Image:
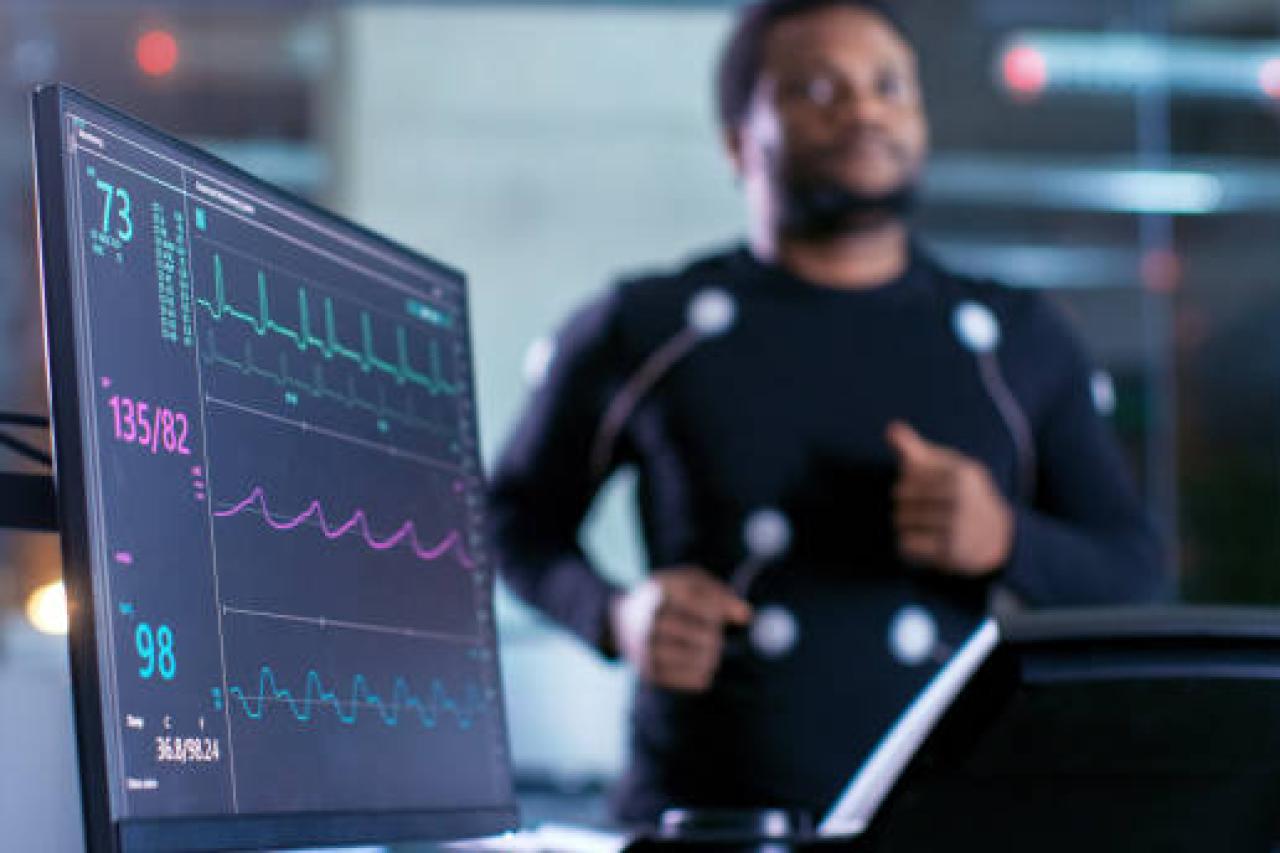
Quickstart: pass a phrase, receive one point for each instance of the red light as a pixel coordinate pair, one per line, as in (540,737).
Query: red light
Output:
(157,52)
(1025,71)
(1269,78)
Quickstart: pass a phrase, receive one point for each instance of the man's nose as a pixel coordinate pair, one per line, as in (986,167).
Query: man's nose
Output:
(859,104)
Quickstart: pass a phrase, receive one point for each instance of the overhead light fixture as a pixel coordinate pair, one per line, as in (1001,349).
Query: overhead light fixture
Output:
(1036,62)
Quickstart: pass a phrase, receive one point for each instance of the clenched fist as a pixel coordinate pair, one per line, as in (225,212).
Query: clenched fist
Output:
(948,512)
(671,627)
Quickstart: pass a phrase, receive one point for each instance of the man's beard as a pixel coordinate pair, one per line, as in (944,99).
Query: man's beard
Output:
(819,210)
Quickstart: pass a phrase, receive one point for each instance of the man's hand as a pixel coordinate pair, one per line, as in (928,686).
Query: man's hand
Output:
(948,512)
(671,627)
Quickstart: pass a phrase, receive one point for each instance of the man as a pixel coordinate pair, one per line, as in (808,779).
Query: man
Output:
(841,447)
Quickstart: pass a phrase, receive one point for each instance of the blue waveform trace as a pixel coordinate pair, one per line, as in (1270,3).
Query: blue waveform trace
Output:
(429,712)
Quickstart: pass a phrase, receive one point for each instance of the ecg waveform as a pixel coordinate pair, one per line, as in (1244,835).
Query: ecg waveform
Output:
(329,346)
(256,501)
(318,386)
(403,700)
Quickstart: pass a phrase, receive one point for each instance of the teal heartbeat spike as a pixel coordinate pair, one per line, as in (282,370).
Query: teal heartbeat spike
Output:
(264,306)
(330,347)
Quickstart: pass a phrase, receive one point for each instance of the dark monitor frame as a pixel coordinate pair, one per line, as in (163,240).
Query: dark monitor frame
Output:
(102,831)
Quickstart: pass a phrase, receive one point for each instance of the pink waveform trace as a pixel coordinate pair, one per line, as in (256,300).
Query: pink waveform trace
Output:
(358,519)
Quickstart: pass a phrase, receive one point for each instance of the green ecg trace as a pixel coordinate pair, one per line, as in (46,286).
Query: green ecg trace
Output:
(316,386)
(366,358)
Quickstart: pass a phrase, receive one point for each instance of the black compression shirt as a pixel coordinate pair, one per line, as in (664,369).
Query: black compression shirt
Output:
(788,409)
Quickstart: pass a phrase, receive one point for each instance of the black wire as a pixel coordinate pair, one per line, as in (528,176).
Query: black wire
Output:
(22,448)
(21,420)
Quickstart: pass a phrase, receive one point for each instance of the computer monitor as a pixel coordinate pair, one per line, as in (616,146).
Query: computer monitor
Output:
(270,500)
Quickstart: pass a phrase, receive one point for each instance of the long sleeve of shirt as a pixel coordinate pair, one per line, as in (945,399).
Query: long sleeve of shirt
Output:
(1087,539)
(542,487)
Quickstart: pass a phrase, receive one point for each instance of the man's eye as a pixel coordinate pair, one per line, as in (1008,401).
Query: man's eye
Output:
(893,86)
(820,90)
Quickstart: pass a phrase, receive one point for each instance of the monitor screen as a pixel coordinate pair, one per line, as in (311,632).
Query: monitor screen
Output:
(270,498)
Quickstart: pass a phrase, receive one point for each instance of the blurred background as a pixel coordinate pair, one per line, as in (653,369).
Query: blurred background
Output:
(1123,155)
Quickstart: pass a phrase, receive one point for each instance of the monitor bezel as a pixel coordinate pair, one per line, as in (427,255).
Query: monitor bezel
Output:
(207,832)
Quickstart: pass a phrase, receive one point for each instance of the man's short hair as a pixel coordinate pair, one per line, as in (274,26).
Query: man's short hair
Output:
(743,56)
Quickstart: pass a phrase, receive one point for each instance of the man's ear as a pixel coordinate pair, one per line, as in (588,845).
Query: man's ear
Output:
(733,146)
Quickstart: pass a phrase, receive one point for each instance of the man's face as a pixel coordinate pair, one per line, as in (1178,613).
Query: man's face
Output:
(837,113)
